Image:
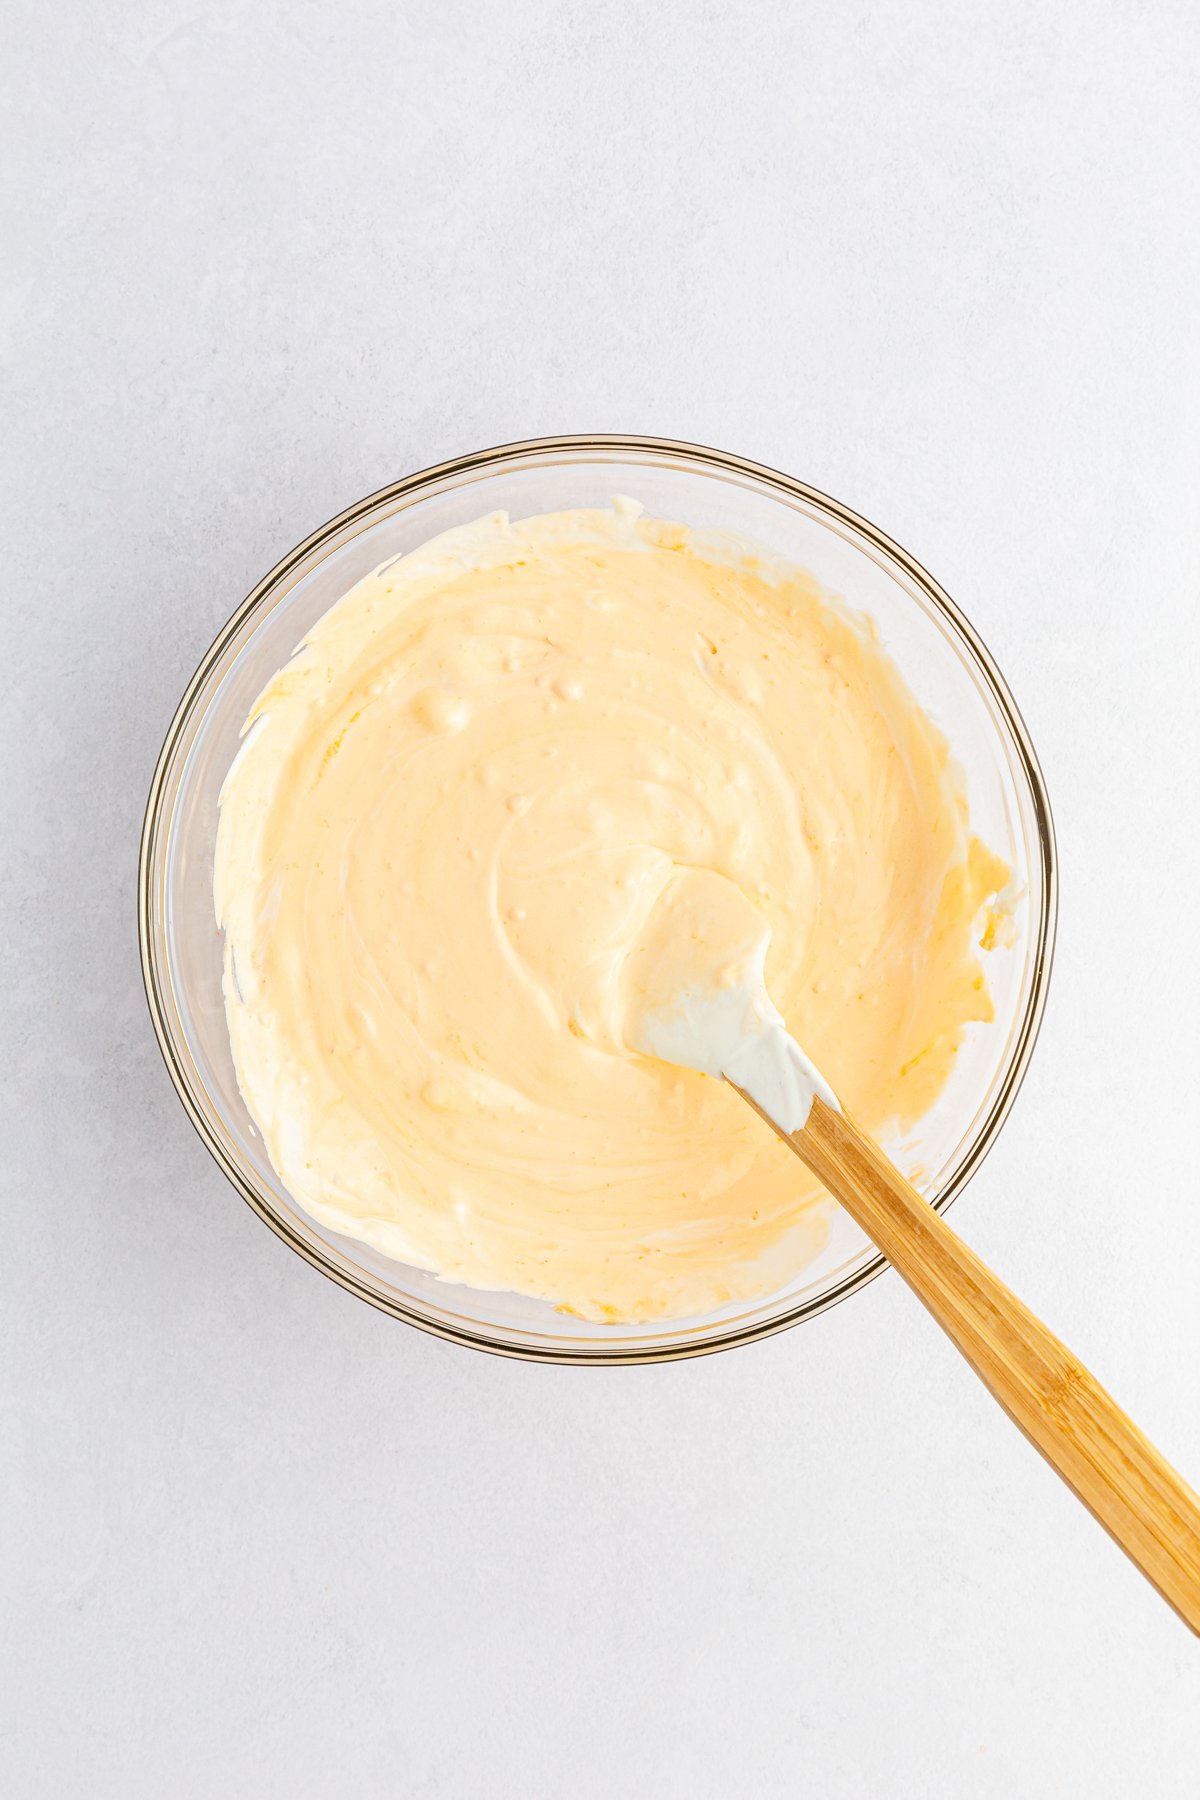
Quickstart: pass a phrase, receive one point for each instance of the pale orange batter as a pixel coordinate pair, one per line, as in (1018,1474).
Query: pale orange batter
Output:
(453,812)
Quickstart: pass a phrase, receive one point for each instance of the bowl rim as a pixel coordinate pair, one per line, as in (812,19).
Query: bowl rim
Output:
(707,460)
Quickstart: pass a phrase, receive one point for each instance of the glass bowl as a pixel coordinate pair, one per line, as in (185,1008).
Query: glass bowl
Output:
(948,669)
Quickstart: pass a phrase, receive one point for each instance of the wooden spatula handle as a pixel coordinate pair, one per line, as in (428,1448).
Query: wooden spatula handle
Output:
(1118,1474)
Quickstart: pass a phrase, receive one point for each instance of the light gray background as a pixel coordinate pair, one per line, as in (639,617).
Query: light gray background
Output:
(939,260)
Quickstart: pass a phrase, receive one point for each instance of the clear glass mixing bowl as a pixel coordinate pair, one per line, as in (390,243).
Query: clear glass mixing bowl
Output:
(947,667)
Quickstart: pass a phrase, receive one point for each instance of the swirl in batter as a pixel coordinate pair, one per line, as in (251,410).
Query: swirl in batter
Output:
(451,814)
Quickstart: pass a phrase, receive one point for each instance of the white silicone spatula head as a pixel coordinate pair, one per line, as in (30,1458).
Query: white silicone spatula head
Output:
(693,992)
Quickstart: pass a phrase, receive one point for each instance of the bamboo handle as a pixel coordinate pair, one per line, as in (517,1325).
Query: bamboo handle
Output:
(1081,1431)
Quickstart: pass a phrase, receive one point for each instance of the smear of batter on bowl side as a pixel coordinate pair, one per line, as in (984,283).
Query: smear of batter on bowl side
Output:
(455,809)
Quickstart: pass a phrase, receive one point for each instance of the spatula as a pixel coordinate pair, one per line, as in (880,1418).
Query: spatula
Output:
(694,994)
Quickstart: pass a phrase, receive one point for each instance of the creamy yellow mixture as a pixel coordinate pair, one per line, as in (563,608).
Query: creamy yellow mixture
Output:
(450,815)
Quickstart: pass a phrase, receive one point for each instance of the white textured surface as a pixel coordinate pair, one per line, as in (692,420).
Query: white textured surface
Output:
(941,260)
